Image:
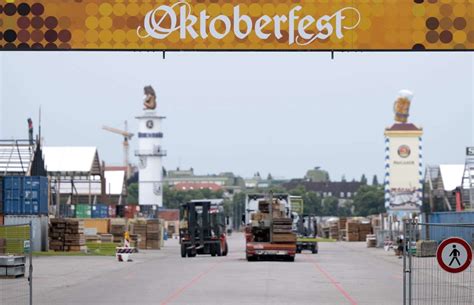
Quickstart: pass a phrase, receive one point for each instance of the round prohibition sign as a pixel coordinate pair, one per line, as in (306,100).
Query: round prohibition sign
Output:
(454,255)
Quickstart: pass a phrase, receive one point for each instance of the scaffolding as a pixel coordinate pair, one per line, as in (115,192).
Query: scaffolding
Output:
(468,181)
(16,157)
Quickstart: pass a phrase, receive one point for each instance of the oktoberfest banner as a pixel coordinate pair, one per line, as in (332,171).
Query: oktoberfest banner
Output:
(237,25)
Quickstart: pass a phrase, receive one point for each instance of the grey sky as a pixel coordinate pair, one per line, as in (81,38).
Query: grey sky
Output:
(245,112)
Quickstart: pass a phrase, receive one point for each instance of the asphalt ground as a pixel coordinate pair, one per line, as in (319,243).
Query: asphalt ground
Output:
(342,273)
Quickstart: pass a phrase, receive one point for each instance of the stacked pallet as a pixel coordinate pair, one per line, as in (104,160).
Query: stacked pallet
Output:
(67,235)
(426,248)
(282,231)
(138,227)
(371,240)
(334,230)
(352,230)
(342,228)
(134,240)
(106,238)
(153,233)
(118,226)
(364,230)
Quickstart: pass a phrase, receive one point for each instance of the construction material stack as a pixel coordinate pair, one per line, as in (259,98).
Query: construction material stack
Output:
(269,234)
(67,235)
(334,230)
(139,227)
(118,226)
(153,234)
(282,230)
(371,241)
(342,228)
(352,229)
(364,230)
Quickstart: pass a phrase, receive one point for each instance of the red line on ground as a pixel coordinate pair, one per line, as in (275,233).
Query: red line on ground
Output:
(180,291)
(333,281)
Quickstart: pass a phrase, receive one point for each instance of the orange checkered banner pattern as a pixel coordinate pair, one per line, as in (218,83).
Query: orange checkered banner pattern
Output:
(237,25)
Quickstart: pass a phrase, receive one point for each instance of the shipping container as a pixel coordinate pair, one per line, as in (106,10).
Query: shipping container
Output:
(148,211)
(1,195)
(439,233)
(100,210)
(25,195)
(127,211)
(83,210)
(40,228)
(67,210)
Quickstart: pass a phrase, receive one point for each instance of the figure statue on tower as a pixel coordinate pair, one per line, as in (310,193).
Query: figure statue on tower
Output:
(150,98)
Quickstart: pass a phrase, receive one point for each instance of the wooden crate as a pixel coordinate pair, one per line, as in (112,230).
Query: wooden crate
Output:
(284,238)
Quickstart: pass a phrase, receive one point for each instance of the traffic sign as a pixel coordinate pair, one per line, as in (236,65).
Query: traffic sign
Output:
(454,255)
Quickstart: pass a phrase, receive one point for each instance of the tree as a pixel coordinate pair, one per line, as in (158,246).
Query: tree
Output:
(375,180)
(343,178)
(330,206)
(369,201)
(312,203)
(238,208)
(363,179)
(132,197)
(269,177)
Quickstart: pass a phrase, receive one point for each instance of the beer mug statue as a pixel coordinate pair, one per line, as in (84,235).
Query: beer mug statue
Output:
(402,106)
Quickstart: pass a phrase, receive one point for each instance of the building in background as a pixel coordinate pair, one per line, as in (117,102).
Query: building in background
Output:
(317,175)
(184,180)
(342,190)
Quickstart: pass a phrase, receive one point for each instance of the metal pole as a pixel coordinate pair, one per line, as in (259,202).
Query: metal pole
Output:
(405,271)
(408,249)
(30,276)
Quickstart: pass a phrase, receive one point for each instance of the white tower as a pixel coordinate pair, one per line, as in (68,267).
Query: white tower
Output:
(150,153)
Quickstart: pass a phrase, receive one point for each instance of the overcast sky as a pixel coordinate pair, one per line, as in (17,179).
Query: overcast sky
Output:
(245,112)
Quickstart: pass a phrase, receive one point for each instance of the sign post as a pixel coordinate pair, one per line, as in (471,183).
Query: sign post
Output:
(454,255)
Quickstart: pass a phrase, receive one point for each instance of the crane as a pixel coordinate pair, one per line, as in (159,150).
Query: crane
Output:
(126,137)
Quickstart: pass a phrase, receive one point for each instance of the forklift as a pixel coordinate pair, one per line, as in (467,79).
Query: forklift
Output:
(202,229)
(307,230)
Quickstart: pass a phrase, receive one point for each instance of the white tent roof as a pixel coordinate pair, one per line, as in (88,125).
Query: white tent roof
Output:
(70,159)
(114,181)
(452,175)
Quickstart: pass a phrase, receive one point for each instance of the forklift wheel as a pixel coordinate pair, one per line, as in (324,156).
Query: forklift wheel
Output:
(226,250)
(314,250)
(191,253)
(218,250)
(251,258)
(298,250)
(183,250)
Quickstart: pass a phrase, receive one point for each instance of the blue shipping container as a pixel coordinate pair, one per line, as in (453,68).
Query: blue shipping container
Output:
(440,233)
(100,210)
(25,195)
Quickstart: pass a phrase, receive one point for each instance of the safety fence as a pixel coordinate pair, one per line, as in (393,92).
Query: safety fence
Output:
(16,266)
(434,258)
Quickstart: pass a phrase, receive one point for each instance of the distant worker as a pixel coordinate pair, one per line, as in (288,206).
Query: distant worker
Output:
(400,246)
(30,131)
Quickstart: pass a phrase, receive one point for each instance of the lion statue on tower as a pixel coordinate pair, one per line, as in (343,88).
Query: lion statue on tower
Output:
(150,98)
